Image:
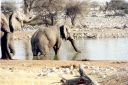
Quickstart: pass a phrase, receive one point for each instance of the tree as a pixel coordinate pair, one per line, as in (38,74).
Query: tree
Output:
(7,7)
(46,9)
(28,6)
(75,8)
(117,5)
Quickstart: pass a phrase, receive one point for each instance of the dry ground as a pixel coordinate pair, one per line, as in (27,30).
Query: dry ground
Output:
(46,72)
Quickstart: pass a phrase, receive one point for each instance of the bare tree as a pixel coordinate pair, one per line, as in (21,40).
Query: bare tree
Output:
(75,8)
(28,6)
(7,7)
(116,5)
(46,9)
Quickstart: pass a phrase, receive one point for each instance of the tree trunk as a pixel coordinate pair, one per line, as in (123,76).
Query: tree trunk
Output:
(73,20)
(25,7)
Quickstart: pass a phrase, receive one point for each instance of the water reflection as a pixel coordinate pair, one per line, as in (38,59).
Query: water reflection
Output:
(23,50)
(98,49)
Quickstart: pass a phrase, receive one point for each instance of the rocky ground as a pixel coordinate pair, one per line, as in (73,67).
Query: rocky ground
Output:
(100,33)
(101,27)
(38,72)
(88,27)
(84,33)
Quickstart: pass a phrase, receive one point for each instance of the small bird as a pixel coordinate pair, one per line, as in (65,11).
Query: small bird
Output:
(81,70)
(84,79)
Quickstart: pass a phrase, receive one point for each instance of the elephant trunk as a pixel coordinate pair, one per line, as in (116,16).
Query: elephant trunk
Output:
(74,45)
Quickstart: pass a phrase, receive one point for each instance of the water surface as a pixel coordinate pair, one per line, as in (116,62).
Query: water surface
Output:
(91,49)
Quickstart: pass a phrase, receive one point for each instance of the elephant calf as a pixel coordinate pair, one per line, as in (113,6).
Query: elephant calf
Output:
(46,38)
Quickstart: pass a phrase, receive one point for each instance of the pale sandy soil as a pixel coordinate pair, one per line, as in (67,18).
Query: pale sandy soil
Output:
(84,33)
(46,72)
(88,27)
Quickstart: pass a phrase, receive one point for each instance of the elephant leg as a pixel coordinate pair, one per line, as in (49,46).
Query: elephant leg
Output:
(10,43)
(44,50)
(4,47)
(35,52)
(57,46)
(56,50)
(35,48)
(11,47)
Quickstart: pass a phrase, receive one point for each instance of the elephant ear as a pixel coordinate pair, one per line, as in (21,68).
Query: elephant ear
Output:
(64,32)
(15,22)
(4,23)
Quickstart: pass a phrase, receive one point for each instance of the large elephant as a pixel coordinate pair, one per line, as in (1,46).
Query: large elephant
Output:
(8,26)
(46,38)
(5,35)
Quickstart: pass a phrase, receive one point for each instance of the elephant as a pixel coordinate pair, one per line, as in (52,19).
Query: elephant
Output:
(46,38)
(5,35)
(15,21)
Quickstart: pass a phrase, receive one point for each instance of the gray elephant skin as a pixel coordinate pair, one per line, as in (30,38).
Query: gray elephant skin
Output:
(8,26)
(5,37)
(46,38)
